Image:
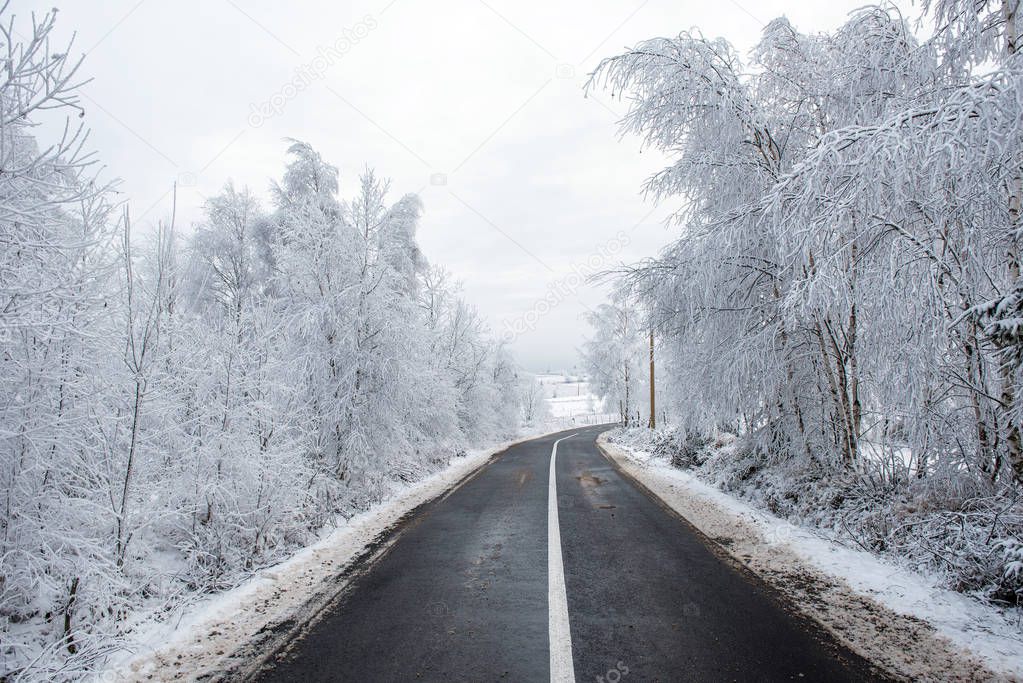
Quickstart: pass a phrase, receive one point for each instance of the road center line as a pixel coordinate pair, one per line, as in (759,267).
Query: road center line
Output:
(559,633)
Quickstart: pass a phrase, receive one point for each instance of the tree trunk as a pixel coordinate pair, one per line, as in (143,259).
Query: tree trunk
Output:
(69,611)
(838,385)
(628,406)
(653,405)
(1013,440)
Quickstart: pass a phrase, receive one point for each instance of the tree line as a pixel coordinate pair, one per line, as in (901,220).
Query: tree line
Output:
(844,288)
(181,407)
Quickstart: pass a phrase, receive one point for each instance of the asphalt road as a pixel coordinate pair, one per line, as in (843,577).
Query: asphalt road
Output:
(465,592)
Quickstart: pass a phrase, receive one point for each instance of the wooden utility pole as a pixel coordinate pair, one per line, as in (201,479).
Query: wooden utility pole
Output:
(653,406)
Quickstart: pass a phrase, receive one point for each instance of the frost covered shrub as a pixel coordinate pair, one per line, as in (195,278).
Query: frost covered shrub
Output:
(942,531)
(1012,553)
(782,488)
(685,449)
(639,438)
(950,526)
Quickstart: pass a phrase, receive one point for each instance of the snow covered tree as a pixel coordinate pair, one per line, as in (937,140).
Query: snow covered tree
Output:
(845,290)
(178,412)
(614,359)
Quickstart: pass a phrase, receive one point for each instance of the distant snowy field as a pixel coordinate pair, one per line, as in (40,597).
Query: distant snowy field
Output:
(571,398)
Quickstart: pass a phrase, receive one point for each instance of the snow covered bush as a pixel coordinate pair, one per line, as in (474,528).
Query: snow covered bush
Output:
(1012,549)
(952,529)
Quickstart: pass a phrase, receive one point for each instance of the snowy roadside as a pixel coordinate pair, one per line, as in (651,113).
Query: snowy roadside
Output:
(898,619)
(233,632)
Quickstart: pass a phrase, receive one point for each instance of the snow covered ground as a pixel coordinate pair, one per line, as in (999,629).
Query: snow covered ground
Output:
(571,399)
(235,630)
(896,618)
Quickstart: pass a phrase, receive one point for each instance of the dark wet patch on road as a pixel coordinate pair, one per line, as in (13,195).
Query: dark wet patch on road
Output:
(587,479)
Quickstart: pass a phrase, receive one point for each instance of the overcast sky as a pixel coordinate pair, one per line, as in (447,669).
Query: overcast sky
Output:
(478,106)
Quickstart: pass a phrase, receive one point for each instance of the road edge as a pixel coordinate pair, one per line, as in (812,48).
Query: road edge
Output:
(899,646)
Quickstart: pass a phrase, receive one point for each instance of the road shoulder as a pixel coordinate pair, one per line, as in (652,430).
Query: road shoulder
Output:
(902,643)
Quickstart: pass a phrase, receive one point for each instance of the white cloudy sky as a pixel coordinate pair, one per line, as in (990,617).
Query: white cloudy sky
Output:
(489,94)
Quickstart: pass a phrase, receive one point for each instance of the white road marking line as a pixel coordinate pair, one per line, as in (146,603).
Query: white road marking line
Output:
(559,633)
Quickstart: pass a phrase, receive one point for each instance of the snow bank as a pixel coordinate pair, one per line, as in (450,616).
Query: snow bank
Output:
(900,620)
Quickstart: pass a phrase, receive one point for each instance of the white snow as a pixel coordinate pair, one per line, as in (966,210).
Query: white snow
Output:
(572,397)
(974,641)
